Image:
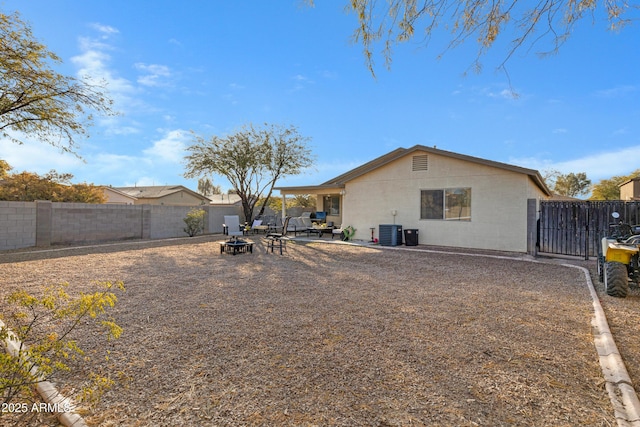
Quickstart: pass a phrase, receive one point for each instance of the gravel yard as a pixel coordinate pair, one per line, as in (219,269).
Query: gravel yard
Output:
(336,335)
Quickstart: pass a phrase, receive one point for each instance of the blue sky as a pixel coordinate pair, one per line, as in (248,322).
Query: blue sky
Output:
(212,66)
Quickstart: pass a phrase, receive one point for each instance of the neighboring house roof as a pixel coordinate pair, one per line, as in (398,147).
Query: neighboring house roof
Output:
(225,199)
(158,191)
(341,180)
(108,188)
(636,179)
(560,198)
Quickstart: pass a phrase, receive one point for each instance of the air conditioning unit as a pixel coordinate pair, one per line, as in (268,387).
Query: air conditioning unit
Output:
(390,234)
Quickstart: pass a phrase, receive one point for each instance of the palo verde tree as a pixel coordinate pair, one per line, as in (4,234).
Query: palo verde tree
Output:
(38,331)
(37,101)
(253,159)
(386,24)
(54,109)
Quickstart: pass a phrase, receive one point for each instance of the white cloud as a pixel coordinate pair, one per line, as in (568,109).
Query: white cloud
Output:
(93,65)
(495,91)
(106,30)
(597,166)
(301,82)
(33,156)
(154,74)
(143,181)
(109,163)
(504,93)
(171,148)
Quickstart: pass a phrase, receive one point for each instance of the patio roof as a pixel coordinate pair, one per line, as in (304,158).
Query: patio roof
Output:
(311,189)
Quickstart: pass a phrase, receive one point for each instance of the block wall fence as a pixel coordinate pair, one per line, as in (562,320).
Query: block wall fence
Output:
(44,223)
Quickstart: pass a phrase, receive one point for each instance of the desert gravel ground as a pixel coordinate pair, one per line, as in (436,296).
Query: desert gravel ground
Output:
(336,335)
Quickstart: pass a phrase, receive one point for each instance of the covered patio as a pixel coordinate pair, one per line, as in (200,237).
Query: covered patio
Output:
(329,199)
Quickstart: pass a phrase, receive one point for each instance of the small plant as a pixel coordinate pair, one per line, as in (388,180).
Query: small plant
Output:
(37,334)
(348,233)
(194,221)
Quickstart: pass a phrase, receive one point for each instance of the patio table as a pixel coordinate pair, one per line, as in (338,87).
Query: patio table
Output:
(318,230)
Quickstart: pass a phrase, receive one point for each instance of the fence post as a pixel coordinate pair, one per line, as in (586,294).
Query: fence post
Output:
(44,220)
(587,231)
(145,221)
(532,229)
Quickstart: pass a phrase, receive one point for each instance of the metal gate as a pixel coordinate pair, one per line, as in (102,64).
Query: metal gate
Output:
(575,228)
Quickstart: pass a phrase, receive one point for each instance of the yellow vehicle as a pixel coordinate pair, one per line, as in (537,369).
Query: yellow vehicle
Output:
(618,259)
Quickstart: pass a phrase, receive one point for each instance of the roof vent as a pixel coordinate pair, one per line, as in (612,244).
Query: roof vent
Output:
(420,163)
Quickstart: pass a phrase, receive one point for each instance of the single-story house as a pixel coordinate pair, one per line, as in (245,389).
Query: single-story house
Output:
(176,195)
(451,199)
(117,197)
(630,190)
(225,200)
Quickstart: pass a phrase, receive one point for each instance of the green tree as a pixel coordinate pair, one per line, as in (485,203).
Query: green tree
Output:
(207,188)
(194,221)
(27,187)
(4,169)
(304,200)
(609,189)
(572,184)
(37,101)
(37,331)
(253,159)
(389,23)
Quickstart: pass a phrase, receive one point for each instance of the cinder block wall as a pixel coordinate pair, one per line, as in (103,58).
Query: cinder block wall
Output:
(17,225)
(43,223)
(167,221)
(215,217)
(80,222)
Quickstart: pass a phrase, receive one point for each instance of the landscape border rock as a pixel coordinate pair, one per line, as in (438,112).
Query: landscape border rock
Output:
(45,389)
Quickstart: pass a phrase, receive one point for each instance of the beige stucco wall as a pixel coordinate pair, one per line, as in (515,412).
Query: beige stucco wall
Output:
(117,198)
(630,190)
(498,203)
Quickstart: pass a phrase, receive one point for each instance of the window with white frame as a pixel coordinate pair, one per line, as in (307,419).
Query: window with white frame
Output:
(449,204)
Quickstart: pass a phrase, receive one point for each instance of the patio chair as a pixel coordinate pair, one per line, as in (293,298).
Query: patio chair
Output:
(232,224)
(295,226)
(257,226)
(306,219)
(278,239)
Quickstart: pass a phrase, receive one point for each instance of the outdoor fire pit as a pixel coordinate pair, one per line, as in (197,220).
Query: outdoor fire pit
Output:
(236,247)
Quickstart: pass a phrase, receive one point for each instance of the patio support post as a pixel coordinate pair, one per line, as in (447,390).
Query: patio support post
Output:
(284,206)
(44,222)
